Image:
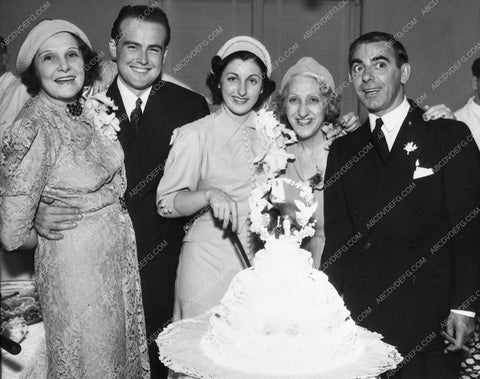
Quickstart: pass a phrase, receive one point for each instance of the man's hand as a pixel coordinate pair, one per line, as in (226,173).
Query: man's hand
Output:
(51,219)
(350,122)
(460,327)
(438,111)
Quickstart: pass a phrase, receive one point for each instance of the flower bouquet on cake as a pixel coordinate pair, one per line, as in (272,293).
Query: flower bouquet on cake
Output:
(280,318)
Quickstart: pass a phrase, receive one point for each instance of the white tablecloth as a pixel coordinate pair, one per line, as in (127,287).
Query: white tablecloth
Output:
(32,360)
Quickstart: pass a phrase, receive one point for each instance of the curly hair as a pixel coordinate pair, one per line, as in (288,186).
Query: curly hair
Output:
(331,100)
(91,62)
(218,66)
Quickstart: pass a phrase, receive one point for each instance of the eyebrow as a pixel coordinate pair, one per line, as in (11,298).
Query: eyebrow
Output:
(138,44)
(50,50)
(380,57)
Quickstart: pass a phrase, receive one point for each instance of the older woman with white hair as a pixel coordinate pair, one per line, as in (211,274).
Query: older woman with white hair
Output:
(309,105)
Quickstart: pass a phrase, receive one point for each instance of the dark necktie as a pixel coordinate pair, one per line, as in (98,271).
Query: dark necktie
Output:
(379,140)
(136,115)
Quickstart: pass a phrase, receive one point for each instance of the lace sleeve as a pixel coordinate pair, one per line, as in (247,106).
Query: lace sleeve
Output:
(25,160)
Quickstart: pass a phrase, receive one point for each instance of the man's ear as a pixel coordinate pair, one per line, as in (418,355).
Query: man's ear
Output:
(405,73)
(165,55)
(112,46)
(474,83)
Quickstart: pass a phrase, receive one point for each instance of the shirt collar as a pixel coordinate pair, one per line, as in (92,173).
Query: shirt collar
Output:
(249,122)
(129,98)
(393,120)
(474,104)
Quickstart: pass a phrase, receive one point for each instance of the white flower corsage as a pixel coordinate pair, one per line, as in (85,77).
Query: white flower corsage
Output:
(99,110)
(410,147)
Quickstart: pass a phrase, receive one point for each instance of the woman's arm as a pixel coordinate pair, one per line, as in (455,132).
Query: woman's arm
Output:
(223,206)
(28,153)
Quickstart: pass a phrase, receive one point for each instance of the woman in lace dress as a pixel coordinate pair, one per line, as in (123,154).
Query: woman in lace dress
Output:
(209,173)
(88,282)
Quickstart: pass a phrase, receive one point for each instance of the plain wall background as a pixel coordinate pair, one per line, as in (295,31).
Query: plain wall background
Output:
(436,40)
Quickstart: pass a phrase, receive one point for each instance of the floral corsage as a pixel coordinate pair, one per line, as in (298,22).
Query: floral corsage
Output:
(99,110)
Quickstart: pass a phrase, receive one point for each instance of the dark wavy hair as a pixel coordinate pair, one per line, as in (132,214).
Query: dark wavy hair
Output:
(140,13)
(91,62)
(399,51)
(476,68)
(330,99)
(218,66)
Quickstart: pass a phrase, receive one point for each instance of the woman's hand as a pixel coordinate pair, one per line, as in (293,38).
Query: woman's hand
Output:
(224,207)
(438,111)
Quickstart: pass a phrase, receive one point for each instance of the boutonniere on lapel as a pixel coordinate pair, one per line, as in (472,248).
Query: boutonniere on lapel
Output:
(410,147)
(421,172)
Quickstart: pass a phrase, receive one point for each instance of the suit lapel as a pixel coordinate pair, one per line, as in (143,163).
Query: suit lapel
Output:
(399,168)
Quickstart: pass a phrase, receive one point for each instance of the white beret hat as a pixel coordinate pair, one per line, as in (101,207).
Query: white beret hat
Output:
(308,66)
(246,43)
(39,34)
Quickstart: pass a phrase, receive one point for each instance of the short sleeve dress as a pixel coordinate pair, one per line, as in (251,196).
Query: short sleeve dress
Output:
(88,282)
(213,152)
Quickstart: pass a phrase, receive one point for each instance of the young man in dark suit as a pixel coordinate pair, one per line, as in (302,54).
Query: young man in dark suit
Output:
(149,109)
(140,37)
(401,205)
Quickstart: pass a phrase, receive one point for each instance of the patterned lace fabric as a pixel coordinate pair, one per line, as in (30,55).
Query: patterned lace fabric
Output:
(88,282)
(471,364)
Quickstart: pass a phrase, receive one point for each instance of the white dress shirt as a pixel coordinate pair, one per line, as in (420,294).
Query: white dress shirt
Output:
(392,121)
(129,98)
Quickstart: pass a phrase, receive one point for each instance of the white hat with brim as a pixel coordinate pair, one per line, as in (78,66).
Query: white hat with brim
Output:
(39,34)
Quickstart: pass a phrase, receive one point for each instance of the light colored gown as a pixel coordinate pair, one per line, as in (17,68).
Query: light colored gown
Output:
(88,282)
(212,152)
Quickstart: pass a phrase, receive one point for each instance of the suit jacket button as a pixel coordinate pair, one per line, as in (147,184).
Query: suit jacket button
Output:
(367,246)
(414,279)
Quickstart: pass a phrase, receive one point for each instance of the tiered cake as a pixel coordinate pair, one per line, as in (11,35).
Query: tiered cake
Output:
(282,317)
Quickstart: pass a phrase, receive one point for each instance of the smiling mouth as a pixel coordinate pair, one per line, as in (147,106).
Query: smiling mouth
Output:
(240,100)
(304,121)
(140,70)
(370,92)
(65,80)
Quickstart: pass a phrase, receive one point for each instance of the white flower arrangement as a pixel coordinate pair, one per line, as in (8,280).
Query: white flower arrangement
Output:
(296,225)
(274,137)
(99,110)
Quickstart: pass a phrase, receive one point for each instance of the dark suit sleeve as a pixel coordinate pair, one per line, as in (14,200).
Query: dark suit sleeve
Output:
(202,109)
(338,228)
(462,188)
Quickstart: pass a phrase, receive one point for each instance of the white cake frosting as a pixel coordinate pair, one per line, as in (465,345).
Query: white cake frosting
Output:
(282,317)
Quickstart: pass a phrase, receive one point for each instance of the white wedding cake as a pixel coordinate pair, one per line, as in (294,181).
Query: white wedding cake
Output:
(282,317)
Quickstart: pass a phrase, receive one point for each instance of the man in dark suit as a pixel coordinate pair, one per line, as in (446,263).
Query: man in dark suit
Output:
(139,41)
(149,109)
(401,205)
